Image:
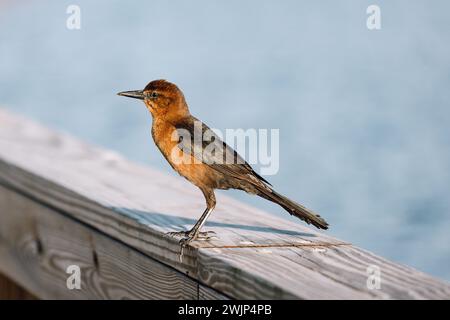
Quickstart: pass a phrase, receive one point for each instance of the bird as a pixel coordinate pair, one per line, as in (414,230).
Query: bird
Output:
(174,132)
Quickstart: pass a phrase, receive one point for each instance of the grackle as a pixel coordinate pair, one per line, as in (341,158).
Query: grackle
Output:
(174,130)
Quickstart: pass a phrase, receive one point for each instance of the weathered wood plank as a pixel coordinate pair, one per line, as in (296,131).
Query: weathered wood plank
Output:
(37,245)
(9,290)
(322,273)
(206,293)
(256,255)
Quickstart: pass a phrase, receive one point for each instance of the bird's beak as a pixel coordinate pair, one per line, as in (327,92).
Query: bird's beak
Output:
(136,94)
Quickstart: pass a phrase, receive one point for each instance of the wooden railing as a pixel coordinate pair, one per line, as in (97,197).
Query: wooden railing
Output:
(65,203)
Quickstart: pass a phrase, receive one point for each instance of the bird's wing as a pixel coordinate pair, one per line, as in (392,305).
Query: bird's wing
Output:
(199,140)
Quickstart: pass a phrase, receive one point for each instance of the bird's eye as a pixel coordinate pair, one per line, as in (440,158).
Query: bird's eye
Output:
(153,95)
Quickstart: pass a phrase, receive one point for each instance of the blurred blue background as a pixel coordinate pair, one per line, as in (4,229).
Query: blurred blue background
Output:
(363,115)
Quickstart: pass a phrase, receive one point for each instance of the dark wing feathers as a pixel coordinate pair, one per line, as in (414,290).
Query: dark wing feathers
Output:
(238,169)
(213,151)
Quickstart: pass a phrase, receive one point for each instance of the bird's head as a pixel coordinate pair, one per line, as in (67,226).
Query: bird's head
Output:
(163,99)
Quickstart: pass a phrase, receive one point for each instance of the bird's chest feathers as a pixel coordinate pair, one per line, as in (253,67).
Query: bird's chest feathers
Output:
(166,138)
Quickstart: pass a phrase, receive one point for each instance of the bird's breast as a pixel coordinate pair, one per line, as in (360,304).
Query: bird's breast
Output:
(166,139)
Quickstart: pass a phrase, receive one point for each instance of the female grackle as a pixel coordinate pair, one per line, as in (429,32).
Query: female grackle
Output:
(207,163)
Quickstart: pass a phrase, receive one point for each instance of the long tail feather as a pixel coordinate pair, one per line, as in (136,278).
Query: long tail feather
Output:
(294,208)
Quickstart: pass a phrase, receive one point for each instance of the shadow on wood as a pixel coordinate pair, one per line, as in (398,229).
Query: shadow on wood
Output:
(9,290)
(177,223)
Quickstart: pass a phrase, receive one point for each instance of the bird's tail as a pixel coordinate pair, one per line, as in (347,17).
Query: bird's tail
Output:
(293,208)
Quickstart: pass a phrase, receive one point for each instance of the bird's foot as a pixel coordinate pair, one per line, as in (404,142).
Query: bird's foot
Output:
(188,236)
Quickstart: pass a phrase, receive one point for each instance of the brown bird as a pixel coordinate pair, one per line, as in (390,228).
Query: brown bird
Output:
(207,163)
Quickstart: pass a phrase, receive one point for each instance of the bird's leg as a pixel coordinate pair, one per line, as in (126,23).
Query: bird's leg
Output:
(195,233)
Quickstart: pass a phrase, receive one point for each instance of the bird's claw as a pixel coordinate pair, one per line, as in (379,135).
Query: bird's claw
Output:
(188,236)
(185,241)
(177,233)
(206,235)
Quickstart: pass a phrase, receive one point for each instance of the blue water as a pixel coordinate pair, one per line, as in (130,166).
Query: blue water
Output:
(363,115)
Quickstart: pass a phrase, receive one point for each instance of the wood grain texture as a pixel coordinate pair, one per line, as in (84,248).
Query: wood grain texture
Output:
(9,290)
(206,293)
(256,255)
(37,245)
